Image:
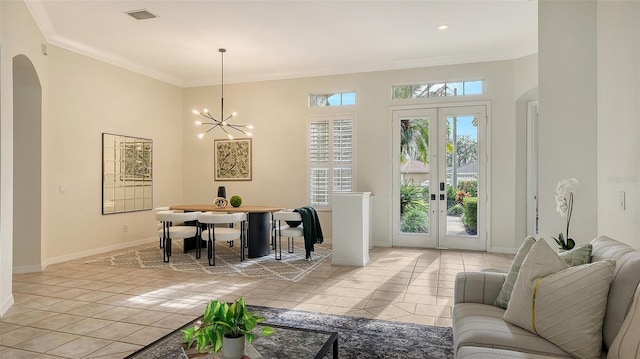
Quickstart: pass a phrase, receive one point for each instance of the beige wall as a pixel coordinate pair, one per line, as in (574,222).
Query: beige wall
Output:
(279,112)
(619,119)
(19,35)
(87,98)
(568,139)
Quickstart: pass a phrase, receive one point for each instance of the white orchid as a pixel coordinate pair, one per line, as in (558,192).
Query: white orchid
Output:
(564,195)
(564,206)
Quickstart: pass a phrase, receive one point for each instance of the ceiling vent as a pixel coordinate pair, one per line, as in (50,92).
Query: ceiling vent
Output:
(141,14)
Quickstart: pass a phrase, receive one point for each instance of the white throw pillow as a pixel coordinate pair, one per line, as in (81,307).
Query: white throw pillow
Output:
(562,304)
(627,342)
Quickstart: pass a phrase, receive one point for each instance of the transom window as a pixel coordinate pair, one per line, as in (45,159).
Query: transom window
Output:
(438,89)
(331,164)
(332,99)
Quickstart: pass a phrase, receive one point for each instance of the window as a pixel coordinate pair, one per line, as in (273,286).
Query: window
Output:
(330,157)
(460,88)
(332,99)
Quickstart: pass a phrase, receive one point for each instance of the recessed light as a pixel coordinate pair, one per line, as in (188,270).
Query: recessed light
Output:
(443,27)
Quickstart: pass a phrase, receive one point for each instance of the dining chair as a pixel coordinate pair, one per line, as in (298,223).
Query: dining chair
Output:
(226,233)
(159,226)
(172,230)
(293,229)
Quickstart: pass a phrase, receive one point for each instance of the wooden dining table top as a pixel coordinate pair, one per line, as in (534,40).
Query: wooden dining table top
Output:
(227,209)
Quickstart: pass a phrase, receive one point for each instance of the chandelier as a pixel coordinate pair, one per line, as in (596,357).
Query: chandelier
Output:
(223,123)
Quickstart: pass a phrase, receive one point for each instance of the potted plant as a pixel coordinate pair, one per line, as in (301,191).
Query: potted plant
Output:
(564,206)
(222,325)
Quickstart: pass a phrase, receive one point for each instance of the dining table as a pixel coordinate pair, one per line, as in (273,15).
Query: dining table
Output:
(258,218)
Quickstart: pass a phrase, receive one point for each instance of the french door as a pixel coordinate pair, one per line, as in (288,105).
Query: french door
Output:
(439,161)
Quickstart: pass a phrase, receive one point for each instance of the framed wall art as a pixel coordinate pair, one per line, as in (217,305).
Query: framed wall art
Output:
(232,160)
(127,174)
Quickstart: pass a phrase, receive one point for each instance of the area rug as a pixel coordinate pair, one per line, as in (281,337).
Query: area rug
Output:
(358,337)
(292,267)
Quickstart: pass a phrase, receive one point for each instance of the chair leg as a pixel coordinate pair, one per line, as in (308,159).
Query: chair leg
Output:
(164,234)
(211,252)
(243,240)
(290,246)
(277,252)
(198,243)
(166,253)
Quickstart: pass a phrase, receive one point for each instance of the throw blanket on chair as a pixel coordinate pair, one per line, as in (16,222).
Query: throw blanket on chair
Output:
(311,228)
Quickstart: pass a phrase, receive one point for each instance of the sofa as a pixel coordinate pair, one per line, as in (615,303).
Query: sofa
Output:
(480,330)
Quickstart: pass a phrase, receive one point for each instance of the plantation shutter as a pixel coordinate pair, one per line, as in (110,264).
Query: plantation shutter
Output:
(330,158)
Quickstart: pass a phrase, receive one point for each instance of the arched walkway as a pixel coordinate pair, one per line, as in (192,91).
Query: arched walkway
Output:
(27,166)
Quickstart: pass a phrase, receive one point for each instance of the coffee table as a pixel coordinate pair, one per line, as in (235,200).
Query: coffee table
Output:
(285,343)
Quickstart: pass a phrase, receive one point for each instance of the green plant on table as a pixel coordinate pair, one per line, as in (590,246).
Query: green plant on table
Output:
(221,319)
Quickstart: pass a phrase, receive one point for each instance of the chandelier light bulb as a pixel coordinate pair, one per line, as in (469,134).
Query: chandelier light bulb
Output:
(222,121)
(249,134)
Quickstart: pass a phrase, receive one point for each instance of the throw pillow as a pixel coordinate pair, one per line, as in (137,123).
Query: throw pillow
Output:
(507,287)
(578,255)
(627,342)
(562,304)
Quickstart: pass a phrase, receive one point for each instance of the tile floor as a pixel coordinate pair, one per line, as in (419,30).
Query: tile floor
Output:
(75,310)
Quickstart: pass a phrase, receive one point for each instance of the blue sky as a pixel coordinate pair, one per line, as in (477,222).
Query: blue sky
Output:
(465,127)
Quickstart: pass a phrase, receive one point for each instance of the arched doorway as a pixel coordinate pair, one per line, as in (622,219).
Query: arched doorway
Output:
(27,166)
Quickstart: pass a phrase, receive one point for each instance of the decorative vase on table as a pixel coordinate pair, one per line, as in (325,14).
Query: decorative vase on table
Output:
(232,348)
(222,192)
(220,202)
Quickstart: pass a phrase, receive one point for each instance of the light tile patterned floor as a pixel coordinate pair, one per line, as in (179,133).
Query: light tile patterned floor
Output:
(75,310)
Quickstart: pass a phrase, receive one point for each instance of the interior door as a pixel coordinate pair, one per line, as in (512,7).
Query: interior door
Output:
(439,162)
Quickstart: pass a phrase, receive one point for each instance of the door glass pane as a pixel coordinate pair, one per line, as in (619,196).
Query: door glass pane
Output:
(414,176)
(462,175)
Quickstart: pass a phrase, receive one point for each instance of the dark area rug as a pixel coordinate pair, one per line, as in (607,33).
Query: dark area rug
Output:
(358,337)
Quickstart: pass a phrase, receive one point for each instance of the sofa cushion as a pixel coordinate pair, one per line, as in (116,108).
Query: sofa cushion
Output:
(625,280)
(573,257)
(627,342)
(564,305)
(490,353)
(481,325)
(512,275)
(577,256)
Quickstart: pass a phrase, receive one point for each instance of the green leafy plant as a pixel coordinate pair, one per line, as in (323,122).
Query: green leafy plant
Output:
(415,220)
(235,201)
(412,196)
(456,210)
(221,319)
(470,218)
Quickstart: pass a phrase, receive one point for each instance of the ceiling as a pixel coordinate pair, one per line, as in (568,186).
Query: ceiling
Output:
(268,40)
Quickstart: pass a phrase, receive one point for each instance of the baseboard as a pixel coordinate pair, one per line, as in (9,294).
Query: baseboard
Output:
(502,250)
(27,269)
(77,255)
(349,261)
(6,305)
